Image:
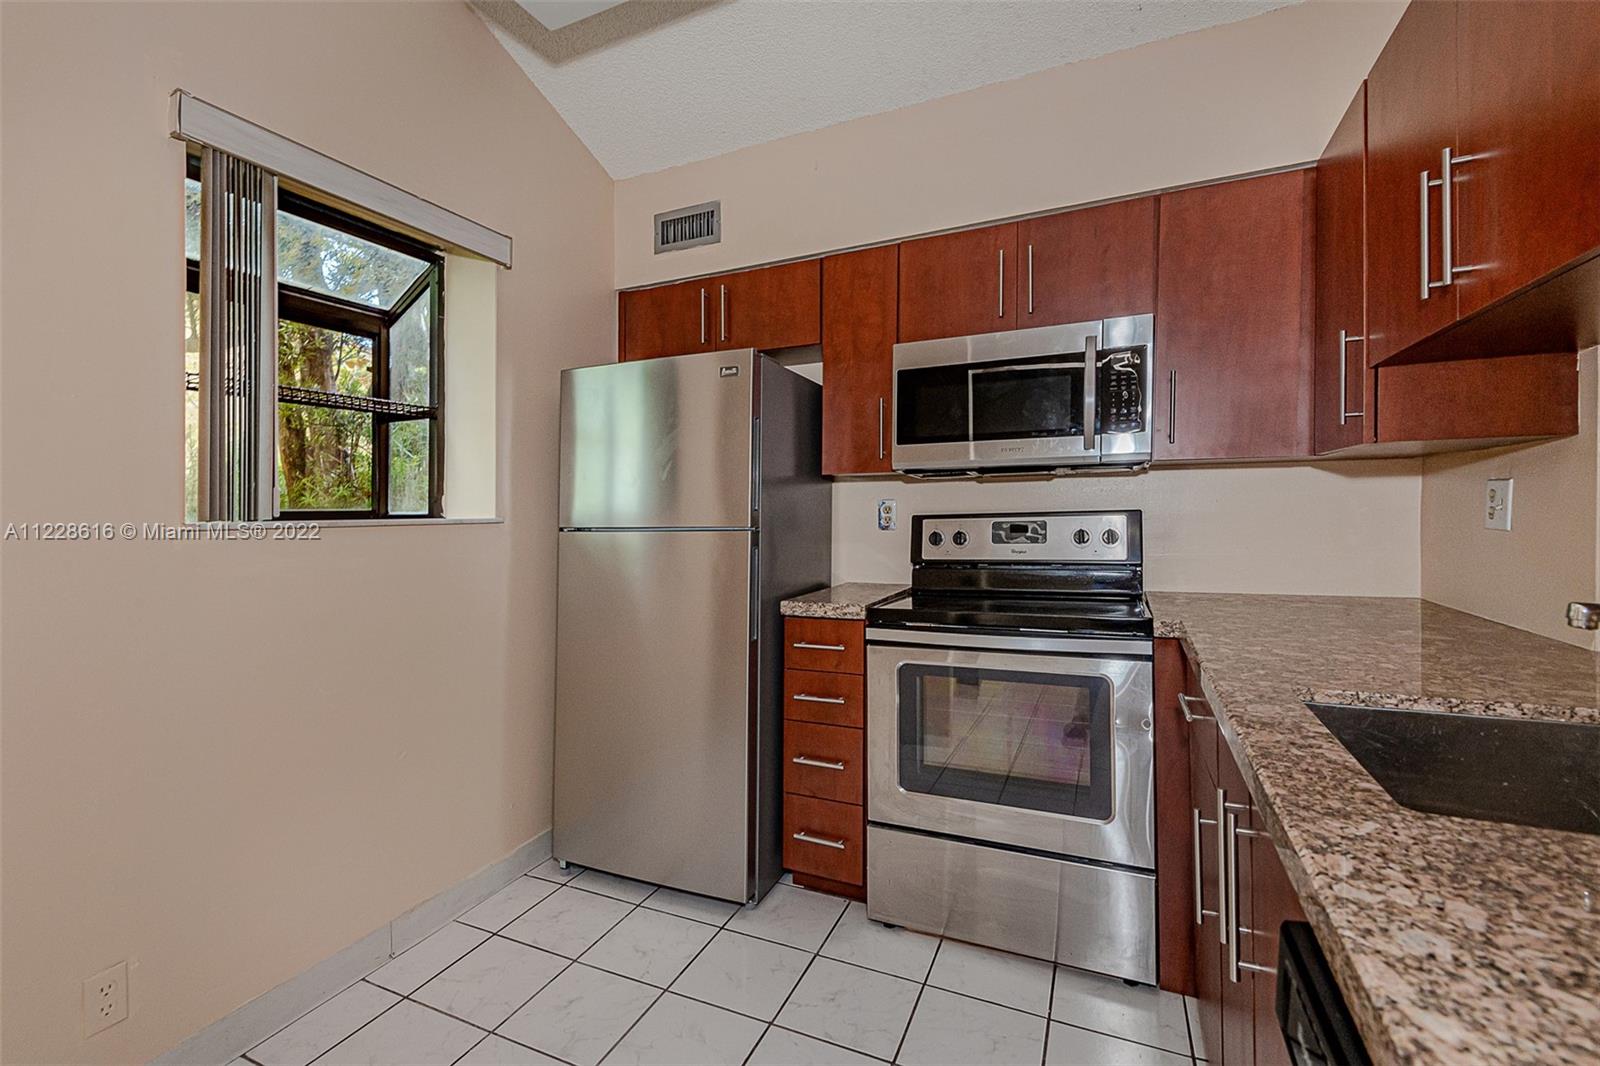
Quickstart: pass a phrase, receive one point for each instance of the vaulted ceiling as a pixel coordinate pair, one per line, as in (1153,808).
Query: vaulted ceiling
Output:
(650,84)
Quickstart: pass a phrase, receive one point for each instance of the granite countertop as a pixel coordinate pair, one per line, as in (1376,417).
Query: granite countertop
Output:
(1453,940)
(848,602)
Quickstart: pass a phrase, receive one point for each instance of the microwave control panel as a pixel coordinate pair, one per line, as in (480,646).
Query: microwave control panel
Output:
(1121,388)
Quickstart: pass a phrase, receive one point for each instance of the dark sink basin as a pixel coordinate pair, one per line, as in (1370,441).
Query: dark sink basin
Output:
(1518,770)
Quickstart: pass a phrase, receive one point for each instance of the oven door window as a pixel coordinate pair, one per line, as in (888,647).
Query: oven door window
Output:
(1025,400)
(1038,741)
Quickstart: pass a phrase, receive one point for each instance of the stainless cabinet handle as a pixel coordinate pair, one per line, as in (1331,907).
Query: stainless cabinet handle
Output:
(1200,913)
(722,311)
(1235,963)
(807,838)
(1172,407)
(702,314)
(1030,279)
(1345,340)
(817,647)
(1091,374)
(880,427)
(821,764)
(1000,307)
(1422,217)
(1222,865)
(1425,182)
(805,697)
(1184,700)
(1447,162)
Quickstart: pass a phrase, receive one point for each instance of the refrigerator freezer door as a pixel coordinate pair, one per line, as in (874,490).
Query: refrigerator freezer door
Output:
(658,443)
(653,707)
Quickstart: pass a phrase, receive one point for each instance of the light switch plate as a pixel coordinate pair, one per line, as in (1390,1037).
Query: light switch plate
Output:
(886,514)
(1497,504)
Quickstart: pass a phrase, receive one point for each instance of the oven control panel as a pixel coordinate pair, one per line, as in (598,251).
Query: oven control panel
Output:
(1037,539)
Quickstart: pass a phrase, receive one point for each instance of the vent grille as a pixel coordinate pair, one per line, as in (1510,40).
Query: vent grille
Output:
(689,227)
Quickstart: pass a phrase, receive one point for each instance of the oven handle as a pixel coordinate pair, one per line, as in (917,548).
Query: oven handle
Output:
(1071,645)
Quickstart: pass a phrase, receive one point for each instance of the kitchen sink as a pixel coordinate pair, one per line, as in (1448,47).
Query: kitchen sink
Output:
(1518,770)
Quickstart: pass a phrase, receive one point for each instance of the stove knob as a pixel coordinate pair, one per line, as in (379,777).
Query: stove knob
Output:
(1110,536)
(1080,537)
(958,538)
(936,538)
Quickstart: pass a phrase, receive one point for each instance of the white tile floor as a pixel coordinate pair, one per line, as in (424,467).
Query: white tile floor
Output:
(583,967)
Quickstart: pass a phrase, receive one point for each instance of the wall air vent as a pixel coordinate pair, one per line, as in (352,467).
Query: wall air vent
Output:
(689,227)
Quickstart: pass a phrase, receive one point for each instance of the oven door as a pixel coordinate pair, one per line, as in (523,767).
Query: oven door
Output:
(1047,750)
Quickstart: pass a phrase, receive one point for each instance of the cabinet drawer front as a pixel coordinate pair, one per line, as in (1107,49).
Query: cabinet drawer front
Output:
(816,696)
(823,761)
(830,842)
(824,644)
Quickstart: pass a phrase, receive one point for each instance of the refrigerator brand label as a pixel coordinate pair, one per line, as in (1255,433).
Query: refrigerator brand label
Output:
(728,372)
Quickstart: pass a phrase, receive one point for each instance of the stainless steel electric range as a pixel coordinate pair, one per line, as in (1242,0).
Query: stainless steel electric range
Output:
(1010,753)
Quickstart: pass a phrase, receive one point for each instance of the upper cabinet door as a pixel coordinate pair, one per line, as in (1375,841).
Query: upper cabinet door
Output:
(665,320)
(1233,320)
(1527,195)
(859,299)
(1086,265)
(1343,383)
(959,284)
(772,307)
(1411,120)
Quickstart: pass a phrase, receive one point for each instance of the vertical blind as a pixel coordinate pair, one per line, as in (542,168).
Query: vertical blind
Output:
(238,340)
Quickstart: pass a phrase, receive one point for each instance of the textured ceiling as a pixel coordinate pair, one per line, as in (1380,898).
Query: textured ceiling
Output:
(652,85)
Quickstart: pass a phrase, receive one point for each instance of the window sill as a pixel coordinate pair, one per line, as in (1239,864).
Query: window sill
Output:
(342,523)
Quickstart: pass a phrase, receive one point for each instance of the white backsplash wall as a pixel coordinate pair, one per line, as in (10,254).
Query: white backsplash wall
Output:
(1347,528)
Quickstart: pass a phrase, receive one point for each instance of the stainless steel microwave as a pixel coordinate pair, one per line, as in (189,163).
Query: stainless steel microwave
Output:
(1047,398)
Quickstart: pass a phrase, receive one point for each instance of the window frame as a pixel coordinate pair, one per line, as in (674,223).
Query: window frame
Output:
(325,311)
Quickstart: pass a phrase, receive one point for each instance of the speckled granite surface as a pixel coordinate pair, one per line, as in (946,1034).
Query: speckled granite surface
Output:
(848,601)
(1454,940)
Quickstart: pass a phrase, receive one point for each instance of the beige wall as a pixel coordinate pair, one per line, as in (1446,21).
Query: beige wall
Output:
(1345,529)
(1524,577)
(1260,93)
(224,762)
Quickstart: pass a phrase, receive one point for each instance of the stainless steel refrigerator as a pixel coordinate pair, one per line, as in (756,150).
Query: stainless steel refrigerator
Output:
(692,502)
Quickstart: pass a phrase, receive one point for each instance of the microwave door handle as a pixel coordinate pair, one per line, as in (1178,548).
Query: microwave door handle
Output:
(1091,371)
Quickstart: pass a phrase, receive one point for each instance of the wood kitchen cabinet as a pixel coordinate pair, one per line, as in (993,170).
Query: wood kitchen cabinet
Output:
(1088,264)
(1528,83)
(957,284)
(769,307)
(1477,402)
(824,754)
(1506,98)
(1243,894)
(1234,320)
(1342,381)
(860,304)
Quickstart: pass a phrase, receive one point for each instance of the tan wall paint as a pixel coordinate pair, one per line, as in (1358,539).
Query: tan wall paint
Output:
(1263,92)
(224,762)
(1347,529)
(1524,577)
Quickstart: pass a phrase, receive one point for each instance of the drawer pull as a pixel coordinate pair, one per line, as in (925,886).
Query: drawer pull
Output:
(818,647)
(807,838)
(821,764)
(1184,700)
(806,697)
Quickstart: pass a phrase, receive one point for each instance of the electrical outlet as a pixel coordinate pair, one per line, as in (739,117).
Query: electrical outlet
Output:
(105,999)
(1497,504)
(886,514)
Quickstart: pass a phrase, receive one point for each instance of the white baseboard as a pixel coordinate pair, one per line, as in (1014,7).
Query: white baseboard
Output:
(237,1032)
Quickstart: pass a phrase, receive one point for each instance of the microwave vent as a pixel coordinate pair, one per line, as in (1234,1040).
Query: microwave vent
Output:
(689,227)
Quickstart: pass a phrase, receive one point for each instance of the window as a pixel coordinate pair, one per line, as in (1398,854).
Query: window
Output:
(359,339)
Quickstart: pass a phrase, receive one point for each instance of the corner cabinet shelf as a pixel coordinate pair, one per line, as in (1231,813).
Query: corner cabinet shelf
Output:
(824,751)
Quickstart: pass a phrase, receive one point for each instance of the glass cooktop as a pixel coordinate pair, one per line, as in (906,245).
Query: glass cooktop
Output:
(1098,616)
